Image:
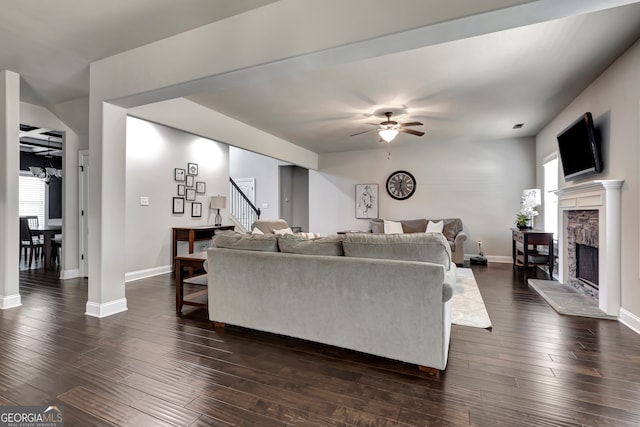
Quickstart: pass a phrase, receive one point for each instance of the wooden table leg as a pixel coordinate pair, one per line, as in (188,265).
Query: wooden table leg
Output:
(179,286)
(174,249)
(47,250)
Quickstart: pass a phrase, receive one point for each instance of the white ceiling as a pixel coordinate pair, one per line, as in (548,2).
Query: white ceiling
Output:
(476,87)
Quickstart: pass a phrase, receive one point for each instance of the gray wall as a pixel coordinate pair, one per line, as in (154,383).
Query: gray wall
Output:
(478,181)
(153,151)
(614,100)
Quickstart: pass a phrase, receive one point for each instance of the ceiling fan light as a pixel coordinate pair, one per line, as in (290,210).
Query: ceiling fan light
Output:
(388,134)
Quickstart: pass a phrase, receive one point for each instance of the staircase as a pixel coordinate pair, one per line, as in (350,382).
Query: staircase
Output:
(243,212)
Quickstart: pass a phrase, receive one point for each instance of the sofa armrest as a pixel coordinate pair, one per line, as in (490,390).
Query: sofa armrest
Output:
(449,283)
(458,248)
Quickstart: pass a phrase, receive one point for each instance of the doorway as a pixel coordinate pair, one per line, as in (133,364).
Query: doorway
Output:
(294,196)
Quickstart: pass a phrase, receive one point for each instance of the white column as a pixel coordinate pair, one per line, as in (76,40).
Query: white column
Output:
(106,217)
(9,173)
(609,261)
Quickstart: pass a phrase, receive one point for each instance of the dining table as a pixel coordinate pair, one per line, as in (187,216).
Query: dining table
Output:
(48,232)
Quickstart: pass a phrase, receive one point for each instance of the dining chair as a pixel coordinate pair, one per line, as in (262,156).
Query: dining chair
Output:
(38,239)
(27,242)
(56,247)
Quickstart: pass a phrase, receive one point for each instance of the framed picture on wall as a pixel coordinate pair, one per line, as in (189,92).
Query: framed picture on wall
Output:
(179,174)
(366,200)
(178,205)
(192,169)
(201,187)
(190,180)
(191,194)
(181,190)
(196,209)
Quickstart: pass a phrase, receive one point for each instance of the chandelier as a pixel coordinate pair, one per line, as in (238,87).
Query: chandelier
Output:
(47,172)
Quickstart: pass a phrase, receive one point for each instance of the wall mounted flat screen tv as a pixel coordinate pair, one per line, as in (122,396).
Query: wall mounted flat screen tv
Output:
(579,149)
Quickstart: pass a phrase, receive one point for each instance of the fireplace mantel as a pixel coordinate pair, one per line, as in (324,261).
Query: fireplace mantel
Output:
(603,196)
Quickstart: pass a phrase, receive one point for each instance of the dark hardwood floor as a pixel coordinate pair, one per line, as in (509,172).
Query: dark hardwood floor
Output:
(148,367)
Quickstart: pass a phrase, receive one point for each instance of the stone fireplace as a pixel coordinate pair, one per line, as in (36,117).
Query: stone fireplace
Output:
(589,239)
(582,251)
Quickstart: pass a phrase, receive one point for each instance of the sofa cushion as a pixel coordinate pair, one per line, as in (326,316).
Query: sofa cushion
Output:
(424,247)
(435,227)
(377,226)
(268,225)
(452,226)
(414,225)
(283,231)
(329,245)
(392,227)
(408,225)
(248,242)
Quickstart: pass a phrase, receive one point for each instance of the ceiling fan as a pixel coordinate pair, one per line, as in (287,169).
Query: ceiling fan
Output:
(389,129)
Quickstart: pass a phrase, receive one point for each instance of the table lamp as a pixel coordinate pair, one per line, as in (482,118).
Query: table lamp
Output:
(217,203)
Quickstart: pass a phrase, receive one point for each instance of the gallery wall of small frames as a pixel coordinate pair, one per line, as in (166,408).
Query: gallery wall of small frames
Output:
(187,191)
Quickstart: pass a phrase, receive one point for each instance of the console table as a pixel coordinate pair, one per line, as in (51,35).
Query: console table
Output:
(192,235)
(525,252)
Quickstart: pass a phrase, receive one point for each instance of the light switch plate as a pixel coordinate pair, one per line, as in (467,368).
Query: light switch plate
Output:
(144,201)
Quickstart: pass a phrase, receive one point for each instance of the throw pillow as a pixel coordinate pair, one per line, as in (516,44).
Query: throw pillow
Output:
(308,235)
(435,227)
(283,231)
(393,227)
(256,230)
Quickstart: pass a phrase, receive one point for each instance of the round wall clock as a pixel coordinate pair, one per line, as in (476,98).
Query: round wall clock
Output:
(401,185)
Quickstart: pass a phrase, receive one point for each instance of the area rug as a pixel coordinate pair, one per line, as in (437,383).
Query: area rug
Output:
(467,306)
(566,300)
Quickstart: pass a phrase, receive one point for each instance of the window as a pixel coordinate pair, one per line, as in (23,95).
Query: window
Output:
(550,202)
(31,198)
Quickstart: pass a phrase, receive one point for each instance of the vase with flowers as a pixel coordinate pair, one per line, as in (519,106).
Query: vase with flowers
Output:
(529,201)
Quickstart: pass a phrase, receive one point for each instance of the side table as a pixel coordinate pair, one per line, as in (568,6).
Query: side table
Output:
(192,235)
(524,249)
(193,261)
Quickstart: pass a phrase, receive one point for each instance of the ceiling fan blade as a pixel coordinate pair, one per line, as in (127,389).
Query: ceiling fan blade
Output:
(411,124)
(411,131)
(358,133)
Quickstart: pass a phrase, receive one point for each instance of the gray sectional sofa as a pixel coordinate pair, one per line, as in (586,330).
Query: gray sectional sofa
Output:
(452,232)
(387,295)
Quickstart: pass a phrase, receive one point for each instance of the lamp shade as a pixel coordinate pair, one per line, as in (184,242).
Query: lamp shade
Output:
(218,202)
(531,198)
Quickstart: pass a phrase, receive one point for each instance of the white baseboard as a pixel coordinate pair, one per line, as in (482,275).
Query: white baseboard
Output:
(107,309)
(629,319)
(69,274)
(149,272)
(10,301)
(500,259)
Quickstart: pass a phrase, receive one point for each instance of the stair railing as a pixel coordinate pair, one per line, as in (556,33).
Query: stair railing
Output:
(241,207)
